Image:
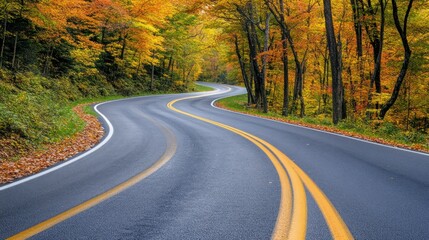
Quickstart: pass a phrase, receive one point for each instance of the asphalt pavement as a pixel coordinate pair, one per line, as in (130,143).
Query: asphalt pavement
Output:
(197,180)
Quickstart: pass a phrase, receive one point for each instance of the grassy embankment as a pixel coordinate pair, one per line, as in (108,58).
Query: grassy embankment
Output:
(36,112)
(386,133)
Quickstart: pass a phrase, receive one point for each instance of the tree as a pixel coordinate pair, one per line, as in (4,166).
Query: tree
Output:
(402,30)
(336,62)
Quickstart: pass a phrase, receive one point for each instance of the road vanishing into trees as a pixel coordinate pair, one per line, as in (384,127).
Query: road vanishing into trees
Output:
(175,167)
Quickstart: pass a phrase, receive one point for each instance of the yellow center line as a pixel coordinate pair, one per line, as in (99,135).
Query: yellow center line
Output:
(168,154)
(290,224)
(296,227)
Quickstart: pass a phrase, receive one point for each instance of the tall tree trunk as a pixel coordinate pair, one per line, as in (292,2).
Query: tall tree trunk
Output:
(378,49)
(402,30)
(250,98)
(357,15)
(259,72)
(264,62)
(337,84)
(254,66)
(285,60)
(369,13)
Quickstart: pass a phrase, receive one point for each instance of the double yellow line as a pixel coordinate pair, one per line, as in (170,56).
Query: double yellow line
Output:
(168,154)
(292,217)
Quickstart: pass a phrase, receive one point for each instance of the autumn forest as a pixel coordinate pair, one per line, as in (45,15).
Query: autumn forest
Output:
(356,61)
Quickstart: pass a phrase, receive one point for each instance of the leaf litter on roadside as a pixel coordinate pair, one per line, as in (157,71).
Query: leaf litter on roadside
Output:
(37,160)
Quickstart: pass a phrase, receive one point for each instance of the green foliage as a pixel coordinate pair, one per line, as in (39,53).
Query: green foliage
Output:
(201,88)
(33,111)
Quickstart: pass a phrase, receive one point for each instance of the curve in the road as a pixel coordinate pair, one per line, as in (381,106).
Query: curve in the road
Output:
(295,228)
(110,131)
(168,154)
(292,216)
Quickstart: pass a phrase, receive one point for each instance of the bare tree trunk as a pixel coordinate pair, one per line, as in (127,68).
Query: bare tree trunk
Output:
(402,30)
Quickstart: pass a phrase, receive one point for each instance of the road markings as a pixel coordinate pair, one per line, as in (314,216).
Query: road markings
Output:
(72,160)
(168,154)
(322,131)
(292,218)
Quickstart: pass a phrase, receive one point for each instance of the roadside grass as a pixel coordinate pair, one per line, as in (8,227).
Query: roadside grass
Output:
(385,133)
(201,88)
(73,124)
(58,122)
(68,125)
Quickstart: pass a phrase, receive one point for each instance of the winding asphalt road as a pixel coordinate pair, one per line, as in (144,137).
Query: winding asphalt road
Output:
(174,167)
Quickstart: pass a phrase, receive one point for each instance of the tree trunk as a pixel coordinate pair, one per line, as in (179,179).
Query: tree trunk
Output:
(337,84)
(254,51)
(250,98)
(357,14)
(285,60)
(170,61)
(253,63)
(402,30)
(152,76)
(264,62)
(378,49)
(139,65)
(124,45)
(172,70)
(279,15)
(375,36)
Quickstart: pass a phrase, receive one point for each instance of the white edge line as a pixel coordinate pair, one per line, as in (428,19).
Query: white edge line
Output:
(317,130)
(73,159)
(84,154)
